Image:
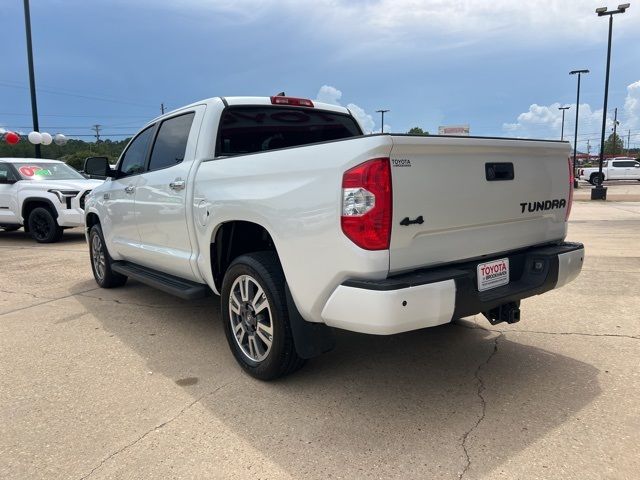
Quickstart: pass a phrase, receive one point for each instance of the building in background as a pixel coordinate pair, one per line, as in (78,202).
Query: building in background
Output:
(454,130)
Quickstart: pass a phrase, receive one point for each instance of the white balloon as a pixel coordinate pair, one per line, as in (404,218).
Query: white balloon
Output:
(60,139)
(35,138)
(46,138)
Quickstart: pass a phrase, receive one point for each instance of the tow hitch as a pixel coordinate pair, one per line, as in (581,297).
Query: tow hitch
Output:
(509,312)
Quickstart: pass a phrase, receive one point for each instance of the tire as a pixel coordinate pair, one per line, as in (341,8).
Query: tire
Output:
(101,261)
(43,226)
(250,323)
(10,228)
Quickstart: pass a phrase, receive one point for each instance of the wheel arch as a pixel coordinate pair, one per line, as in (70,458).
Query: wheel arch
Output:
(31,203)
(233,238)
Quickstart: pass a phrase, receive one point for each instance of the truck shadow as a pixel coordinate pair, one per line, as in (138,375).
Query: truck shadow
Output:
(402,403)
(70,236)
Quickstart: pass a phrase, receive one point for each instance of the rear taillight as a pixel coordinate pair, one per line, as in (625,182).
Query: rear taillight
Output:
(366,204)
(570,201)
(296,102)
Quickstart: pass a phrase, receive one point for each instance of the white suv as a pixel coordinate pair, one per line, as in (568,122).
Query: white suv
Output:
(43,196)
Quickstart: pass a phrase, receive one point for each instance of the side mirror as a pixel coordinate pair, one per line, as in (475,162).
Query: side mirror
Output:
(98,167)
(7,181)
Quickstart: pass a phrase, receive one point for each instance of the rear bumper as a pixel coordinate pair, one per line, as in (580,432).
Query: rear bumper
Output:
(430,297)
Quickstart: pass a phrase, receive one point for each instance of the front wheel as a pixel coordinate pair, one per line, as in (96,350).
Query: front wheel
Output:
(43,226)
(255,316)
(101,261)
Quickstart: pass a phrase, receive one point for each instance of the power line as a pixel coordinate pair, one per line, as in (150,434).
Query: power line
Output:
(78,95)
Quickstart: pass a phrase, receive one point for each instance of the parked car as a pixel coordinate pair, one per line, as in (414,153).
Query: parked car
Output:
(301,223)
(43,196)
(619,168)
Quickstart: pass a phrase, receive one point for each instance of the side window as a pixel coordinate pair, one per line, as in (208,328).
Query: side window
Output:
(134,157)
(618,164)
(171,142)
(6,173)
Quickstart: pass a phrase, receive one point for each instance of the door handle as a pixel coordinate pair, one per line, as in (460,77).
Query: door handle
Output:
(177,185)
(129,189)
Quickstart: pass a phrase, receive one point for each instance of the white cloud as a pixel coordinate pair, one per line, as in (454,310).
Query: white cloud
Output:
(632,106)
(545,121)
(366,120)
(329,94)
(445,23)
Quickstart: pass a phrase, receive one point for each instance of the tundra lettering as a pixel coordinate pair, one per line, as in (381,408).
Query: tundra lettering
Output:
(543,205)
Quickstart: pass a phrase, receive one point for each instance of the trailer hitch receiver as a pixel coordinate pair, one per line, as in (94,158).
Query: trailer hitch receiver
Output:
(509,312)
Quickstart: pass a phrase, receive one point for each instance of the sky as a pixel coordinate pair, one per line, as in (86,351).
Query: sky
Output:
(502,66)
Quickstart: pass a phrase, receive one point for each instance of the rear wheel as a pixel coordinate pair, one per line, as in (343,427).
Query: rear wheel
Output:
(101,261)
(43,226)
(255,316)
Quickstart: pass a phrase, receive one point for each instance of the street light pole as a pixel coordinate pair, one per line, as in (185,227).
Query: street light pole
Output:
(32,80)
(575,135)
(562,131)
(600,192)
(382,112)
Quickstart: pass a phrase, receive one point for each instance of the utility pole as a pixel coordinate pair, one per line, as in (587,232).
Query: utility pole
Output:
(32,80)
(162,108)
(382,112)
(576,184)
(96,128)
(562,132)
(628,141)
(615,126)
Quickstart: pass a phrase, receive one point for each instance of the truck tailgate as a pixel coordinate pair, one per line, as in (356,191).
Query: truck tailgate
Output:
(465,212)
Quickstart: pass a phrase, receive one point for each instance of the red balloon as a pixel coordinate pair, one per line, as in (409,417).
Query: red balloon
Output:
(12,138)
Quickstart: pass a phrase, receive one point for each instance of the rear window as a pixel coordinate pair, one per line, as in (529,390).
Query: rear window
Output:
(259,129)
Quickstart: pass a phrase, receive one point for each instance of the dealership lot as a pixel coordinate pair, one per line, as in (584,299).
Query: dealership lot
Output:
(132,383)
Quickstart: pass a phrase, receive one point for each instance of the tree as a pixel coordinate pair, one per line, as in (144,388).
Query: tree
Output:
(417,131)
(613,146)
(73,152)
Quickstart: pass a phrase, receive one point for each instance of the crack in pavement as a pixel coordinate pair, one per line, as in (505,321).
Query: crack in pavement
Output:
(158,427)
(541,332)
(483,403)
(26,293)
(48,301)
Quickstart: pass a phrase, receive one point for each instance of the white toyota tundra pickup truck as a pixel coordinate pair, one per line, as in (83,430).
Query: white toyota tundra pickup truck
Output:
(620,168)
(301,223)
(43,196)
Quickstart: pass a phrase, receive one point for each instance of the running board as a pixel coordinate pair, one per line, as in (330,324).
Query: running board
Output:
(162,281)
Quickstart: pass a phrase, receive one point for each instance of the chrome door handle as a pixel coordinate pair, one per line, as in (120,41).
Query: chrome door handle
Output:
(177,185)
(129,189)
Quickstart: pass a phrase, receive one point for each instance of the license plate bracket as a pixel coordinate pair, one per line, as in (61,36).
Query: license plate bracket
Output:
(492,274)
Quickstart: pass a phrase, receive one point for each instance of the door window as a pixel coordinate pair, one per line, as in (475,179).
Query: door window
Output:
(134,157)
(6,175)
(171,142)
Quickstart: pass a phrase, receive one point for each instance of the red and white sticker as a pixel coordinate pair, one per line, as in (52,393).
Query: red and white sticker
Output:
(493,274)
